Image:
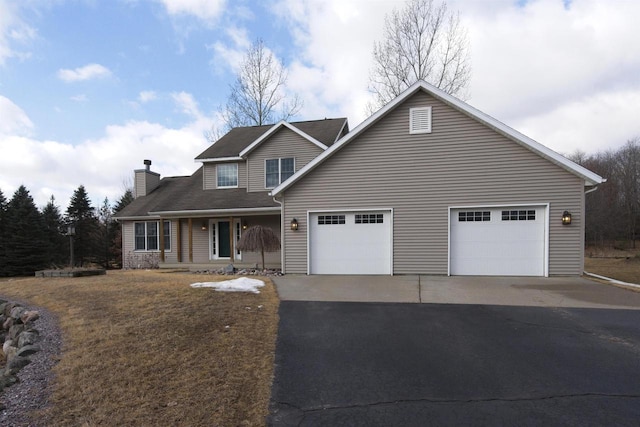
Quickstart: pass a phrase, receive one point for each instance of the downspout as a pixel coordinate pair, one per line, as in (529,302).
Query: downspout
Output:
(281,233)
(592,190)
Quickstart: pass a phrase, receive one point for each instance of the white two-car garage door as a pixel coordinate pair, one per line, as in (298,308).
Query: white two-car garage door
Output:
(356,242)
(498,241)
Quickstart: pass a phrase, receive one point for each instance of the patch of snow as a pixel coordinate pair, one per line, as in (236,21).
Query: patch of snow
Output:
(241,284)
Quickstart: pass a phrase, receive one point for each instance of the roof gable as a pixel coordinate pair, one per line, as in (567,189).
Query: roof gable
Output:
(589,177)
(273,130)
(322,133)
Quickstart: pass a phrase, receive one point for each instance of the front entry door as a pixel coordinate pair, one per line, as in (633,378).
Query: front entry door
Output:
(224,230)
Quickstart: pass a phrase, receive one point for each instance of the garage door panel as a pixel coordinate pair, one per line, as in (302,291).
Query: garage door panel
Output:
(352,247)
(501,243)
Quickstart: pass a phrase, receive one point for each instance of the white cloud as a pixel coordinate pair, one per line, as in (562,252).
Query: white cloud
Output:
(102,164)
(13,120)
(187,104)
(532,65)
(79,98)
(332,64)
(546,66)
(88,72)
(205,10)
(229,55)
(13,30)
(147,96)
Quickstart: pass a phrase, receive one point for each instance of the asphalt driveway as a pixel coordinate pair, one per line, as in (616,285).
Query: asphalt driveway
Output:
(396,364)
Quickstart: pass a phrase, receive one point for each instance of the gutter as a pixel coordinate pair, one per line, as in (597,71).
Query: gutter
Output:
(198,213)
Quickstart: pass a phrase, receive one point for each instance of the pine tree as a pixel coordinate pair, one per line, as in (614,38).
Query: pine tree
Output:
(116,242)
(82,216)
(105,233)
(3,238)
(26,245)
(124,200)
(57,246)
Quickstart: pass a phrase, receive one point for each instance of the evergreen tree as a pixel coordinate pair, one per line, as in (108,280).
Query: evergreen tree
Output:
(26,245)
(3,238)
(57,246)
(82,215)
(124,200)
(105,233)
(116,242)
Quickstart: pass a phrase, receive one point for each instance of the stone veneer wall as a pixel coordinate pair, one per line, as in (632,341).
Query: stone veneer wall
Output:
(19,336)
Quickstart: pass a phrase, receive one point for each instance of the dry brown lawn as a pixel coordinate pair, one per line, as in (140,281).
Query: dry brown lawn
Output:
(626,269)
(143,348)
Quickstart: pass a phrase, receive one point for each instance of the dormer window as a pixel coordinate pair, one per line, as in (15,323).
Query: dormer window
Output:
(277,171)
(227,175)
(420,120)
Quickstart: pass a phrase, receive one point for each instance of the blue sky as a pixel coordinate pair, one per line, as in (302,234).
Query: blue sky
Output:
(89,88)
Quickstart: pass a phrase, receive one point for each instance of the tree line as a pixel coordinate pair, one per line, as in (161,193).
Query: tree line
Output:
(32,239)
(613,210)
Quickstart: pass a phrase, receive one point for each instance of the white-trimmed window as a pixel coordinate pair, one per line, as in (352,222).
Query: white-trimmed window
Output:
(147,237)
(276,171)
(420,120)
(227,175)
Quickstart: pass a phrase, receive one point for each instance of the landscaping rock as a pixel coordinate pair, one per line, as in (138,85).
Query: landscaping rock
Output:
(15,364)
(229,269)
(27,350)
(19,335)
(16,312)
(27,338)
(7,323)
(5,347)
(15,330)
(29,316)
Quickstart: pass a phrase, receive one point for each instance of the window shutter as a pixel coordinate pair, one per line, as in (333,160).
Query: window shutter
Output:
(420,120)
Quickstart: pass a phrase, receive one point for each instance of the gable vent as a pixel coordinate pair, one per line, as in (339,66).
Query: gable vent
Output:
(420,120)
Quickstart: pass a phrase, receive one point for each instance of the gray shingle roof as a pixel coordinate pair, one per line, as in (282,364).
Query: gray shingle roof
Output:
(185,193)
(326,131)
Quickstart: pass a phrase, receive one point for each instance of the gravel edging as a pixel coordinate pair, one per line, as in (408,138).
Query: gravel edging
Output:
(33,389)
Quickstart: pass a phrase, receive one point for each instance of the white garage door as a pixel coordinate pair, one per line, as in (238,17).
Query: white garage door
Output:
(507,241)
(350,242)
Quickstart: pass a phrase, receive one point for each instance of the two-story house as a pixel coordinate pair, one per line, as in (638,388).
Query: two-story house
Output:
(426,185)
(196,221)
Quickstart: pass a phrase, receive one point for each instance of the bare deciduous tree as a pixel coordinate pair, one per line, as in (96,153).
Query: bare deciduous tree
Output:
(422,41)
(258,95)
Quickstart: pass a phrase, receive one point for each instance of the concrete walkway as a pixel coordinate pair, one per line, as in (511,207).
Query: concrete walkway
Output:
(576,292)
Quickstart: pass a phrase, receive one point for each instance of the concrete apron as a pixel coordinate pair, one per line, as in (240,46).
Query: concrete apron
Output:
(574,292)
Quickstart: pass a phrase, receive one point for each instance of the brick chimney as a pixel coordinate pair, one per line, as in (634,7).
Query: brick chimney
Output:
(145,181)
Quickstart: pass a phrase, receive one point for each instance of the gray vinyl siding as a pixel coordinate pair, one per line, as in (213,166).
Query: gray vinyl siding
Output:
(461,163)
(201,242)
(128,242)
(210,175)
(284,143)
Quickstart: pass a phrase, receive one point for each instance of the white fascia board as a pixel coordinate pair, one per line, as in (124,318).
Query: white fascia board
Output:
(206,212)
(137,218)
(345,139)
(346,122)
(273,129)
(219,159)
(589,177)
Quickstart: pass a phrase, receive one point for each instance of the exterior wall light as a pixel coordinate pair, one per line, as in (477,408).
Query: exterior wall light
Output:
(566,218)
(204,226)
(294,224)
(244,225)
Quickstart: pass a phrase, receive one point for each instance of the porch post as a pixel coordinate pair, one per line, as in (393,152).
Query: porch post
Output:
(179,240)
(190,226)
(231,239)
(161,231)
